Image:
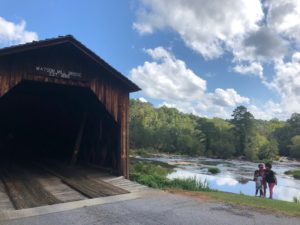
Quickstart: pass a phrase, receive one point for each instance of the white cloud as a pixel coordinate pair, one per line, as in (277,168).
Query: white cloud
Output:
(251,69)
(267,111)
(142,99)
(205,26)
(284,16)
(228,97)
(168,79)
(263,45)
(256,33)
(11,33)
(287,83)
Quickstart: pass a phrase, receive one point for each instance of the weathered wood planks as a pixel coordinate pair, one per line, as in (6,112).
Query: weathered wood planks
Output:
(24,190)
(80,181)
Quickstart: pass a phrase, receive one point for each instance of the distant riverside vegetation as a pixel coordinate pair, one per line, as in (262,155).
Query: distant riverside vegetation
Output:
(168,130)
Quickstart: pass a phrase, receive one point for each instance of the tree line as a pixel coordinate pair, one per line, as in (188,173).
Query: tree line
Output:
(168,130)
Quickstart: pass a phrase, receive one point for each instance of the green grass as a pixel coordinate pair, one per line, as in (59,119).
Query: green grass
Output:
(155,175)
(276,206)
(189,184)
(214,170)
(294,173)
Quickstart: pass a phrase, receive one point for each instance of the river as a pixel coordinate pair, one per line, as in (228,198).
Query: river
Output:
(235,176)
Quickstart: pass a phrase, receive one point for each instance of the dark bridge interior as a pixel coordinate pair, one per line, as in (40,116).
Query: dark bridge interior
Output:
(43,120)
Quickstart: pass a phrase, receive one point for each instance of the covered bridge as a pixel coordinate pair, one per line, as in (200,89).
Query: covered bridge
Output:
(59,100)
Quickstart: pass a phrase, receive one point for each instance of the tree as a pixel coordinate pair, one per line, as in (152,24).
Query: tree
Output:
(243,122)
(294,122)
(295,146)
(222,145)
(254,145)
(169,130)
(285,134)
(209,130)
(269,151)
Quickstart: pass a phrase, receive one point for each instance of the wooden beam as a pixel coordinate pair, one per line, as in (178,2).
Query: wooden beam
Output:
(79,138)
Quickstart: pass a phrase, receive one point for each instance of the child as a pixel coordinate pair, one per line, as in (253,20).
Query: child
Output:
(258,183)
(270,178)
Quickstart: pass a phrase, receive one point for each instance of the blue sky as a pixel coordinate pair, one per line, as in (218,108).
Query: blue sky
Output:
(199,56)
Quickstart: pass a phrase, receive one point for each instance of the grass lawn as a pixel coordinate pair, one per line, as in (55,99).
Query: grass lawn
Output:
(244,201)
(276,206)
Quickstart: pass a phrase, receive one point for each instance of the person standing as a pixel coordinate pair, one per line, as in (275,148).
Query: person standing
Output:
(261,173)
(258,184)
(271,178)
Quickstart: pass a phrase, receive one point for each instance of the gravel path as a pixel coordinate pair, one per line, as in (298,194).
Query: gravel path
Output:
(157,208)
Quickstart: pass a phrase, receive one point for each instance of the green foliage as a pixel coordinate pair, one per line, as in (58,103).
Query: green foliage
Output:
(155,176)
(243,122)
(294,173)
(269,151)
(285,134)
(168,130)
(190,184)
(149,174)
(214,170)
(219,138)
(165,129)
(295,147)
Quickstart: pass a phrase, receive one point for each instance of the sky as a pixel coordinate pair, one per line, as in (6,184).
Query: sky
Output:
(201,57)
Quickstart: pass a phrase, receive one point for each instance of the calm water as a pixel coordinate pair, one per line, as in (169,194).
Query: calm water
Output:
(236,176)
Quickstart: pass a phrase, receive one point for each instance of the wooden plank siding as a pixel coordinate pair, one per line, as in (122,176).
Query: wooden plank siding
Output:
(70,55)
(115,101)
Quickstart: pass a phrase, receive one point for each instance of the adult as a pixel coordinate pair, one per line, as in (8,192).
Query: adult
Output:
(261,172)
(271,178)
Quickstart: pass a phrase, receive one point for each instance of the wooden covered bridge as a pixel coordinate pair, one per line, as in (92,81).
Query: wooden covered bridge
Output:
(63,113)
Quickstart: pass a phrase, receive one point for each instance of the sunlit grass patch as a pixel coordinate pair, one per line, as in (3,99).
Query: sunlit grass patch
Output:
(276,206)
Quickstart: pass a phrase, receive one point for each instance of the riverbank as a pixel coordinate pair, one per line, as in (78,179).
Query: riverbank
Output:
(154,175)
(150,153)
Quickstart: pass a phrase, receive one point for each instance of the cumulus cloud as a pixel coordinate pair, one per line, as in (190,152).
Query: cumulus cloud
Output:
(15,33)
(228,97)
(255,33)
(205,26)
(169,79)
(263,44)
(267,111)
(251,69)
(287,83)
(284,16)
(239,27)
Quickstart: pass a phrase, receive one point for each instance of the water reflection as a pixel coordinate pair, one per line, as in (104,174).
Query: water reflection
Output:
(235,177)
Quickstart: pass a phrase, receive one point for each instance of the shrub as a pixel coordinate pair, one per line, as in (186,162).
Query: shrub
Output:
(294,173)
(214,170)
